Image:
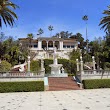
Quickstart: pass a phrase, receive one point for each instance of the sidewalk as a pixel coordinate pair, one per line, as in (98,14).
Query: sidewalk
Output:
(97,99)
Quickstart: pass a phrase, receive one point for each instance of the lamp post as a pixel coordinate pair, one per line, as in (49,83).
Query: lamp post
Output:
(77,63)
(93,61)
(29,64)
(81,63)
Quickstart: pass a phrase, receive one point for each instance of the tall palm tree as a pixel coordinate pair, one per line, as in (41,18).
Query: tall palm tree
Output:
(50,28)
(6,12)
(105,21)
(40,31)
(85,18)
(30,37)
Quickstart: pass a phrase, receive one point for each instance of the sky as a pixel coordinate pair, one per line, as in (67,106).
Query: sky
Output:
(63,15)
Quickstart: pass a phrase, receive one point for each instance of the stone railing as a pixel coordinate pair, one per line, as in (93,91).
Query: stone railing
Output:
(19,74)
(93,74)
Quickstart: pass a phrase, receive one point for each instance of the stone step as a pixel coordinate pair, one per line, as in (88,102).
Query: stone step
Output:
(67,83)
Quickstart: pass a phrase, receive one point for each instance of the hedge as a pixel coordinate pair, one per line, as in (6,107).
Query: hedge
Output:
(96,83)
(28,86)
(35,66)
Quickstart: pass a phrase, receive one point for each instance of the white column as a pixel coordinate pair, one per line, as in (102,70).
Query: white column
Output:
(82,72)
(77,63)
(61,45)
(47,45)
(39,45)
(53,44)
(42,64)
(93,61)
(28,63)
(81,63)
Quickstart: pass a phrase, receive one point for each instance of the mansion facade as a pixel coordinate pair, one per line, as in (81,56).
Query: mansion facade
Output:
(44,46)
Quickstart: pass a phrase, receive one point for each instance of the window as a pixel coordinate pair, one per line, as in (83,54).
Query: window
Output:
(64,46)
(35,46)
(72,46)
(68,46)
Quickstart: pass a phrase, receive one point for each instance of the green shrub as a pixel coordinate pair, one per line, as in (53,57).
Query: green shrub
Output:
(71,75)
(28,86)
(96,83)
(5,66)
(107,66)
(68,65)
(47,62)
(35,66)
(75,54)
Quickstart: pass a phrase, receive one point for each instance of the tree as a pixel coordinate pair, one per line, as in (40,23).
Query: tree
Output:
(105,21)
(5,66)
(30,37)
(80,39)
(40,31)
(75,54)
(11,51)
(64,34)
(50,28)
(85,18)
(99,49)
(6,12)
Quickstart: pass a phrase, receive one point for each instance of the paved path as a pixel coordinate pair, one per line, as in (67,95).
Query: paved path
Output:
(98,99)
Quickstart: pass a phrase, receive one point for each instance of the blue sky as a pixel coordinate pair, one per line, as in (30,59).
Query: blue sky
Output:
(63,15)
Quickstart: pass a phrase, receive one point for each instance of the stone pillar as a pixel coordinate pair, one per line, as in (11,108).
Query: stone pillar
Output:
(93,61)
(29,64)
(81,63)
(82,72)
(47,45)
(55,57)
(53,44)
(77,63)
(42,64)
(39,45)
(42,67)
(61,45)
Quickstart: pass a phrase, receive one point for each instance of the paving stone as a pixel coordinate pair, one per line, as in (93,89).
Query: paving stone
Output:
(57,100)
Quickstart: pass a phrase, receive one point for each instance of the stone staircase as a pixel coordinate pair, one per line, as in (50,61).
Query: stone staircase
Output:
(62,83)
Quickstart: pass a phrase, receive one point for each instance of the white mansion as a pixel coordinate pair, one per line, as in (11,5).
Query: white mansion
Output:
(43,46)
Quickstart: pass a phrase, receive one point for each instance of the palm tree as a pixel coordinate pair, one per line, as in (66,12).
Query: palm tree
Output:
(30,37)
(50,28)
(6,12)
(105,21)
(40,31)
(85,18)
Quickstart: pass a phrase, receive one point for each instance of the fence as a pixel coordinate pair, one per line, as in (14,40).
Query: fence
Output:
(93,74)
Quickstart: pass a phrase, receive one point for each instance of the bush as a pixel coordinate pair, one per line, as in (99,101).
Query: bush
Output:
(75,54)
(96,83)
(47,62)
(35,66)
(5,66)
(68,65)
(107,65)
(28,86)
